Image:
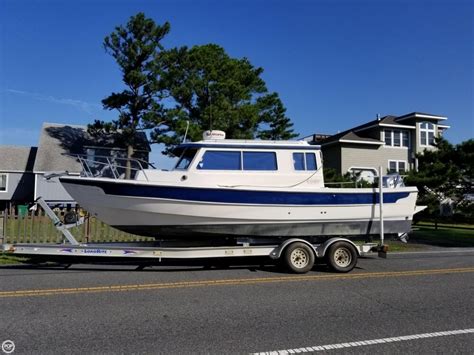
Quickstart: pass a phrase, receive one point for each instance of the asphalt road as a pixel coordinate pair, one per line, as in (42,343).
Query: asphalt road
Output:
(189,309)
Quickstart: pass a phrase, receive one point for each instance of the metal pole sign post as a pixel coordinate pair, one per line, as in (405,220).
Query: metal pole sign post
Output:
(2,225)
(382,253)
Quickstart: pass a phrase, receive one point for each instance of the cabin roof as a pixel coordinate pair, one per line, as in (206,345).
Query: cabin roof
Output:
(249,144)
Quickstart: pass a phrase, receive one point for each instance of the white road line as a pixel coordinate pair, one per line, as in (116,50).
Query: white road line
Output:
(369,342)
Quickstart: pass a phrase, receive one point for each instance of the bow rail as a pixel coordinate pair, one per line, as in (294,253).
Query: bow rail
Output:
(111,166)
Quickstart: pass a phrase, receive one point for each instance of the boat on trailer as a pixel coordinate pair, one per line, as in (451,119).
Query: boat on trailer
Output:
(226,199)
(224,189)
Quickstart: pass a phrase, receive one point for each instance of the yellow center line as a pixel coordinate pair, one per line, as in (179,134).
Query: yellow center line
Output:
(228,282)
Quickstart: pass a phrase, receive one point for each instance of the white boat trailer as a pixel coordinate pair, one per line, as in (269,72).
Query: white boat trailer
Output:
(298,255)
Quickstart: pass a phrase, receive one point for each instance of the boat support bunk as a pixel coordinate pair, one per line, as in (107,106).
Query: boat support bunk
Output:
(298,255)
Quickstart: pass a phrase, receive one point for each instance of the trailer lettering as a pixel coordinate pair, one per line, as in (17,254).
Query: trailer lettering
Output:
(94,251)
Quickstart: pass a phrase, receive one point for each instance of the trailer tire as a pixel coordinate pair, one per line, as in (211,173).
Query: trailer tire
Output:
(341,257)
(299,258)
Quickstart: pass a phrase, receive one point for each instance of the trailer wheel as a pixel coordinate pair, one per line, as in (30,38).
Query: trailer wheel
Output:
(341,257)
(299,257)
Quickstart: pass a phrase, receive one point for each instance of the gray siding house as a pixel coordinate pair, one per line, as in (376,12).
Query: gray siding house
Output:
(58,146)
(391,142)
(16,175)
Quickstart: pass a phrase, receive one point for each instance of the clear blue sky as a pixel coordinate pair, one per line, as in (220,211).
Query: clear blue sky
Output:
(334,63)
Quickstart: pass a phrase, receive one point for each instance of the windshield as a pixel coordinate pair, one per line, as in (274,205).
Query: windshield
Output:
(186,159)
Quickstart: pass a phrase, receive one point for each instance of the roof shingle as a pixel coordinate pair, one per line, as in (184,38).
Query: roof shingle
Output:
(57,141)
(17,158)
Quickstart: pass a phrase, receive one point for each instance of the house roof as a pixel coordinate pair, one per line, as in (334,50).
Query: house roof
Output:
(390,121)
(421,115)
(17,158)
(58,140)
(350,135)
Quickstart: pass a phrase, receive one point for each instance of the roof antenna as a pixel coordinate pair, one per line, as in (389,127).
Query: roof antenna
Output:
(186,133)
(210,106)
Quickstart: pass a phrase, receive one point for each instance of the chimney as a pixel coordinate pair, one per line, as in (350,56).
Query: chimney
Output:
(378,116)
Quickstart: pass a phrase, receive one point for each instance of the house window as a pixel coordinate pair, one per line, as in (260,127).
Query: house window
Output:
(427,134)
(388,136)
(396,138)
(3,182)
(405,139)
(304,161)
(397,166)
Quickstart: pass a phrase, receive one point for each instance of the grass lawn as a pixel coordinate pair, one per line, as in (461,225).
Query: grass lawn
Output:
(398,246)
(446,225)
(425,235)
(8,259)
(443,236)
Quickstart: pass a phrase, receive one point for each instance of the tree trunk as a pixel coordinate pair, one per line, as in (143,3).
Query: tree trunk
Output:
(128,169)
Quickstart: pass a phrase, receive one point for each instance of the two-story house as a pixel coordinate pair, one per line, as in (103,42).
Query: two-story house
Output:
(391,142)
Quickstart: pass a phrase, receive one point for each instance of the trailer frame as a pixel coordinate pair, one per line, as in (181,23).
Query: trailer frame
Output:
(300,260)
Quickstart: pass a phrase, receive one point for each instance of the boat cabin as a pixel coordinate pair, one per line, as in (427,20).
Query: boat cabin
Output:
(244,163)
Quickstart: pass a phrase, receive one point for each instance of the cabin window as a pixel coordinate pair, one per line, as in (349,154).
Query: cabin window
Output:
(310,161)
(220,160)
(304,161)
(3,182)
(186,159)
(259,161)
(298,161)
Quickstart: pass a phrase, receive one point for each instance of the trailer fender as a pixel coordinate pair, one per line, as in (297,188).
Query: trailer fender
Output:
(322,248)
(276,253)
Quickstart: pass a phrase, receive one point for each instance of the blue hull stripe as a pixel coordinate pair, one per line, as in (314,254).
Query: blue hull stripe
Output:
(239,196)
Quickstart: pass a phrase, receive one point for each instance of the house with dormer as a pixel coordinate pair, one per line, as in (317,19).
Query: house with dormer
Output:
(390,141)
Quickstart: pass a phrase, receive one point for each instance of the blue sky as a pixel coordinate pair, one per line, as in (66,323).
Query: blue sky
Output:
(334,63)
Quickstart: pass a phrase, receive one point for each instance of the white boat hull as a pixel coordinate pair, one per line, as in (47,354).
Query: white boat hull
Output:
(230,212)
